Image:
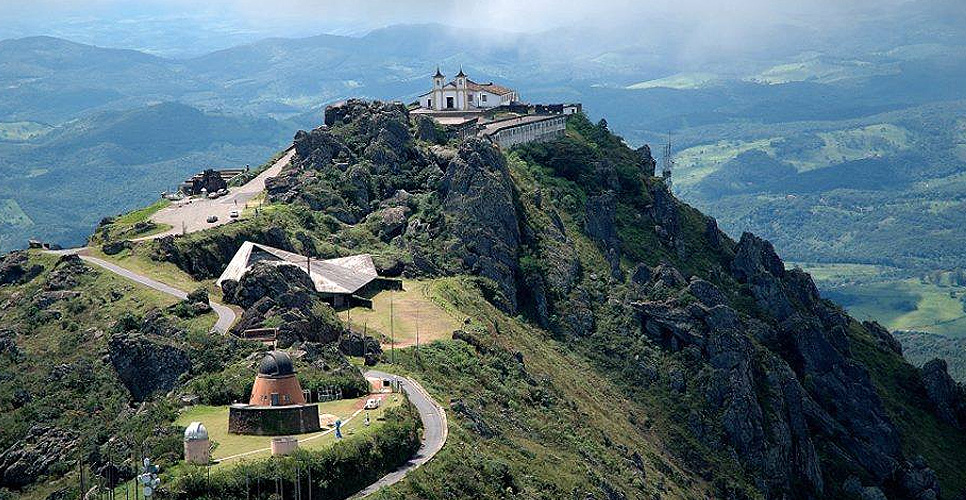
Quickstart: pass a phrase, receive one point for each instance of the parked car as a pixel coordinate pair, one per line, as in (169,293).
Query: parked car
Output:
(212,219)
(372,403)
(233,214)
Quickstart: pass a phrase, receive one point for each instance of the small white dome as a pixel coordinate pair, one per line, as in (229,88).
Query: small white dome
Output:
(196,432)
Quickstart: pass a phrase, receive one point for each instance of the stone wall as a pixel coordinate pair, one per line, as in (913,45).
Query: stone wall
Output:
(273,420)
(531,132)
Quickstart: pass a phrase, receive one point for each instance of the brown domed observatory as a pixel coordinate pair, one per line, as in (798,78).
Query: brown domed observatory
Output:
(277,405)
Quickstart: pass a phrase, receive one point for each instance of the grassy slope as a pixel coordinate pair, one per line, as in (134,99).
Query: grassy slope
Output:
(898,384)
(89,400)
(548,427)
(412,308)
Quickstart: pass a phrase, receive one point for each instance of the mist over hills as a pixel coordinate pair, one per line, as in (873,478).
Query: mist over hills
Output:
(866,107)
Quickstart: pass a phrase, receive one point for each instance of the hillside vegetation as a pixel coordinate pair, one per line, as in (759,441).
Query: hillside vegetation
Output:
(616,343)
(736,378)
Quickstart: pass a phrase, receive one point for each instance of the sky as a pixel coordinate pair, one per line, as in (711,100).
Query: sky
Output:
(172,26)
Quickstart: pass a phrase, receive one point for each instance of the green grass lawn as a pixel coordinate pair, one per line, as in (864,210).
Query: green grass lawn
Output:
(417,304)
(123,225)
(12,214)
(215,419)
(898,302)
(137,260)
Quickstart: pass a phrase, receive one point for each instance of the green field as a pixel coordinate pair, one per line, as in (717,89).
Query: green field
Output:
(231,446)
(417,305)
(12,214)
(22,131)
(696,163)
(833,147)
(678,81)
(898,302)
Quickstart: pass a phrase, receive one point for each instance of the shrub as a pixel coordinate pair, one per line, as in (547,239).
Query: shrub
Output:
(337,472)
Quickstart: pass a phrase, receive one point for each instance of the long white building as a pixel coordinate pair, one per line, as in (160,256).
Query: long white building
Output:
(463,94)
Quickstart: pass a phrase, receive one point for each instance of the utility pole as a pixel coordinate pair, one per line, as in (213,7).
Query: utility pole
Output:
(392,331)
(417,332)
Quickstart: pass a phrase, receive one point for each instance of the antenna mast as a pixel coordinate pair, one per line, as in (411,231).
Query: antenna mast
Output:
(668,163)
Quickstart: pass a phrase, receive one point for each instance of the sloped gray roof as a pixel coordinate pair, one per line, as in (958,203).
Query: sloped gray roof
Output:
(344,275)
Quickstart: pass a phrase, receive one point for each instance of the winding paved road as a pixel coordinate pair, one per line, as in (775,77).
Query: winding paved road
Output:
(435,431)
(226,316)
(191,215)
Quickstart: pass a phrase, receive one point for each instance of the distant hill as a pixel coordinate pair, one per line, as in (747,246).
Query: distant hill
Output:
(60,184)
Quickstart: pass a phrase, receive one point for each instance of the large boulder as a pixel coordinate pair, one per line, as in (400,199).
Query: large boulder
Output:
(66,273)
(268,279)
(283,295)
(948,397)
(147,364)
(479,196)
(15,268)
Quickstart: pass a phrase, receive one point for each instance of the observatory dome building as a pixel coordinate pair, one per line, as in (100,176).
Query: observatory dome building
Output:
(197,446)
(276,383)
(277,405)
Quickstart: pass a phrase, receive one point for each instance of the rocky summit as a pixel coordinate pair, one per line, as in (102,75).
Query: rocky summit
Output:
(609,340)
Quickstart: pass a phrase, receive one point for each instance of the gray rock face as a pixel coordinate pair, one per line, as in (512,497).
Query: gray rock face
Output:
(389,222)
(479,196)
(66,273)
(283,295)
(705,292)
(947,396)
(884,339)
(44,300)
(664,212)
(267,280)
(15,268)
(776,443)
(648,163)
(601,226)
(33,457)
(147,364)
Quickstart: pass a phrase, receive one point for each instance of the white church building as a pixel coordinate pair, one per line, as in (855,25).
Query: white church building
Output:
(463,94)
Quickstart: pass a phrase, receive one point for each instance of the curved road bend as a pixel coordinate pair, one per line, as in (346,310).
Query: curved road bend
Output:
(192,217)
(226,316)
(435,431)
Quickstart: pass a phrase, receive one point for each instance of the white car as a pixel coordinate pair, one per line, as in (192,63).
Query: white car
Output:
(372,404)
(233,214)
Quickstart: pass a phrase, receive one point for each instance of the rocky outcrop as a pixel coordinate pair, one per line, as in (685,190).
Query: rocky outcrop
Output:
(16,268)
(66,273)
(44,300)
(33,457)
(195,304)
(667,219)
(648,163)
(116,247)
(210,181)
(948,397)
(601,226)
(147,364)
(267,280)
(883,338)
(284,297)
(763,410)
(207,255)
(480,199)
